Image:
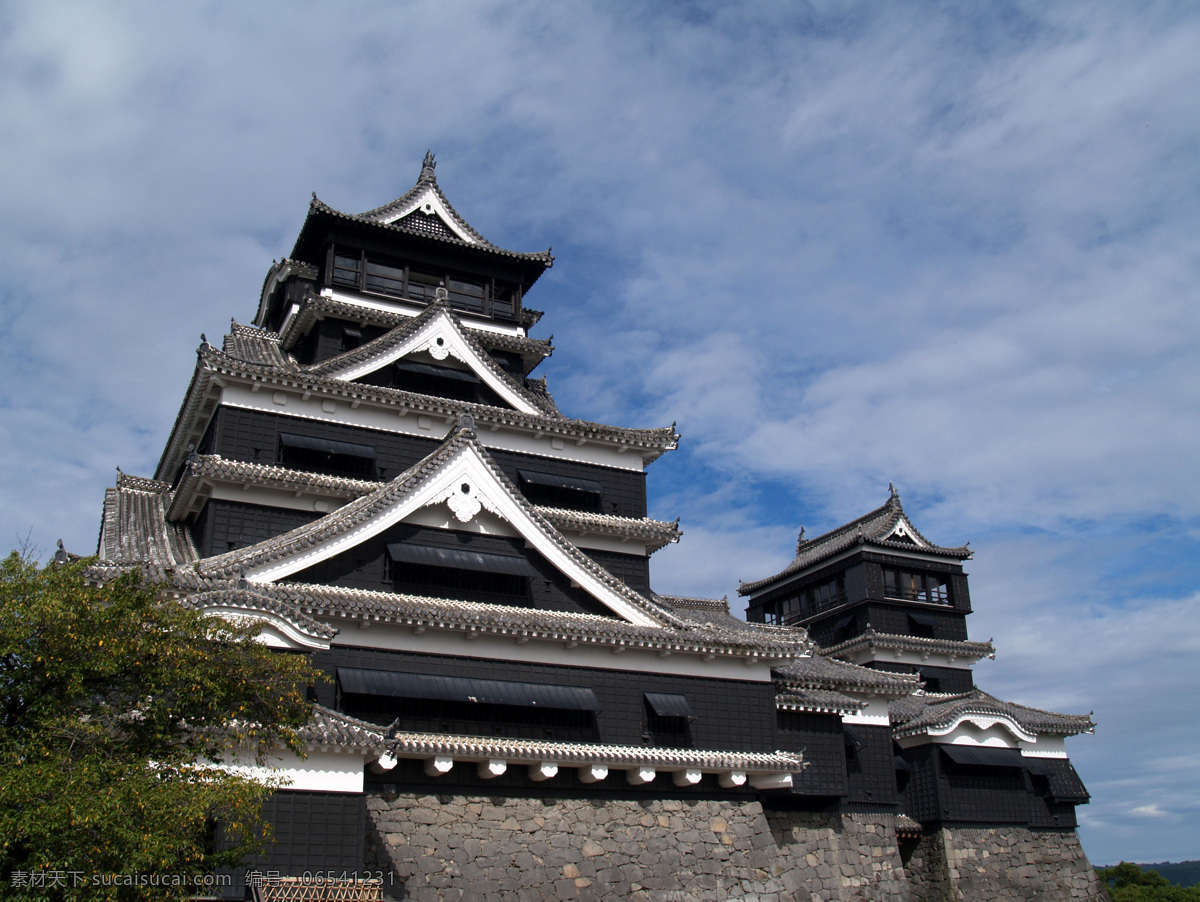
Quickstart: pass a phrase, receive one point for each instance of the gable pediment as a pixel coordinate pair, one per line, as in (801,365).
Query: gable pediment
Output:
(428,202)
(902,531)
(436,337)
(458,482)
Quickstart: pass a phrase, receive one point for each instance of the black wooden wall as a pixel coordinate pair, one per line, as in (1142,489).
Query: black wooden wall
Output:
(734,715)
(313,831)
(250,435)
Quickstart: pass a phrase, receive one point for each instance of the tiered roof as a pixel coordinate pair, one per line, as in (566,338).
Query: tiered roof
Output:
(315,307)
(330,728)
(421,213)
(202,471)
(254,359)
(417,335)
(935,712)
(870,640)
(886,527)
(817,671)
(228,582)
(134,529)
(818,685)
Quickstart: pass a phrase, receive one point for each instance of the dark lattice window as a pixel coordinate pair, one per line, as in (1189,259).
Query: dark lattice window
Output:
(551,490)
(303,452)
(426,224)
(812,600)
(392,278)
(668,720)
(932,588)
(422,286)
(466,295)
(347,270)
(385,279)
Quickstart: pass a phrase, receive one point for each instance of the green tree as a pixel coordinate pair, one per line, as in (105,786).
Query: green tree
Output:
(114,702)
(1129,883)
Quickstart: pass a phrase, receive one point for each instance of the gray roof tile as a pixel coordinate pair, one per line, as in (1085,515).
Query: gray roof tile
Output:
(817,701)
(871,640)
(315,307)
(539,400)
(870,528)
(365,508)
(326,604)
(436,231)
(134,528)
(817,671)
(920,713)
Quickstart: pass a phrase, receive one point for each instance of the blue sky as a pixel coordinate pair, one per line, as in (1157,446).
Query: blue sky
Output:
(841,244)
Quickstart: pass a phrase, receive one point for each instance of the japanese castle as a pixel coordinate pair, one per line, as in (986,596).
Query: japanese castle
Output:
(371,471)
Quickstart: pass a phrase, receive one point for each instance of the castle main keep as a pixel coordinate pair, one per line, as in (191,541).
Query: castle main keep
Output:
(371,471)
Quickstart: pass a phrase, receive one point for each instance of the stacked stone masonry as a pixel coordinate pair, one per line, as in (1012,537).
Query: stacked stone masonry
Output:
(529,850)
(1002,864)
(448,848)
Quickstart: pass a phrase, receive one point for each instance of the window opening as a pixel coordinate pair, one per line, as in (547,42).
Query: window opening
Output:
(432,703)
(668,720)
(438,381)
(478,576)
(306,452)
(931,588)
(570,492)
(922,625)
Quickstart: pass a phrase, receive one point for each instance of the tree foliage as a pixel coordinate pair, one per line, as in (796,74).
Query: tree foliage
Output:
(1129,883)
(114,703)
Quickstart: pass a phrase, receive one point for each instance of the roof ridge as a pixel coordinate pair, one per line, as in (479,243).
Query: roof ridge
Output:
(426,183)
(365,508)
(208,353)
(870,527)
(398,334)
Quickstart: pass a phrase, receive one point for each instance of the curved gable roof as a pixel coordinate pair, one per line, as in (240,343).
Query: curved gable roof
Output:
(438,331)
(936,714)
(423,211)
(886,527)
(461,474)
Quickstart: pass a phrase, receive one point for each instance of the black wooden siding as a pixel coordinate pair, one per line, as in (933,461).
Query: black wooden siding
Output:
(313,831)
(885,617)
(729,714)
(251,435)
(937,791)
(863,581)
(225,525)
(822,741)
(874,563)
(328,338)
(367,566)
(871,770)
(948,679)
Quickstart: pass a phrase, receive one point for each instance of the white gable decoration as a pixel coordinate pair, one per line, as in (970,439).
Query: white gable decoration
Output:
(430,204)
(467,485)
(904,531)
(440,337)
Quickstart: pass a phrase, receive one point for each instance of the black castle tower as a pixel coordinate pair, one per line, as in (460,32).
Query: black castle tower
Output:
(371,472)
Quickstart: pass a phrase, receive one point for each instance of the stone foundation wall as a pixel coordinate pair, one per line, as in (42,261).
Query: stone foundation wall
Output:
(1005,864)
(450,848)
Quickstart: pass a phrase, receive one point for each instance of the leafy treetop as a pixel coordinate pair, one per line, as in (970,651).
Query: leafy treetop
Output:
(1129,883)
(115,702)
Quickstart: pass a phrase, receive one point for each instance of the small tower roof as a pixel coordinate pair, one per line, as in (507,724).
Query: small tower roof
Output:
(887,526)
(423,211)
